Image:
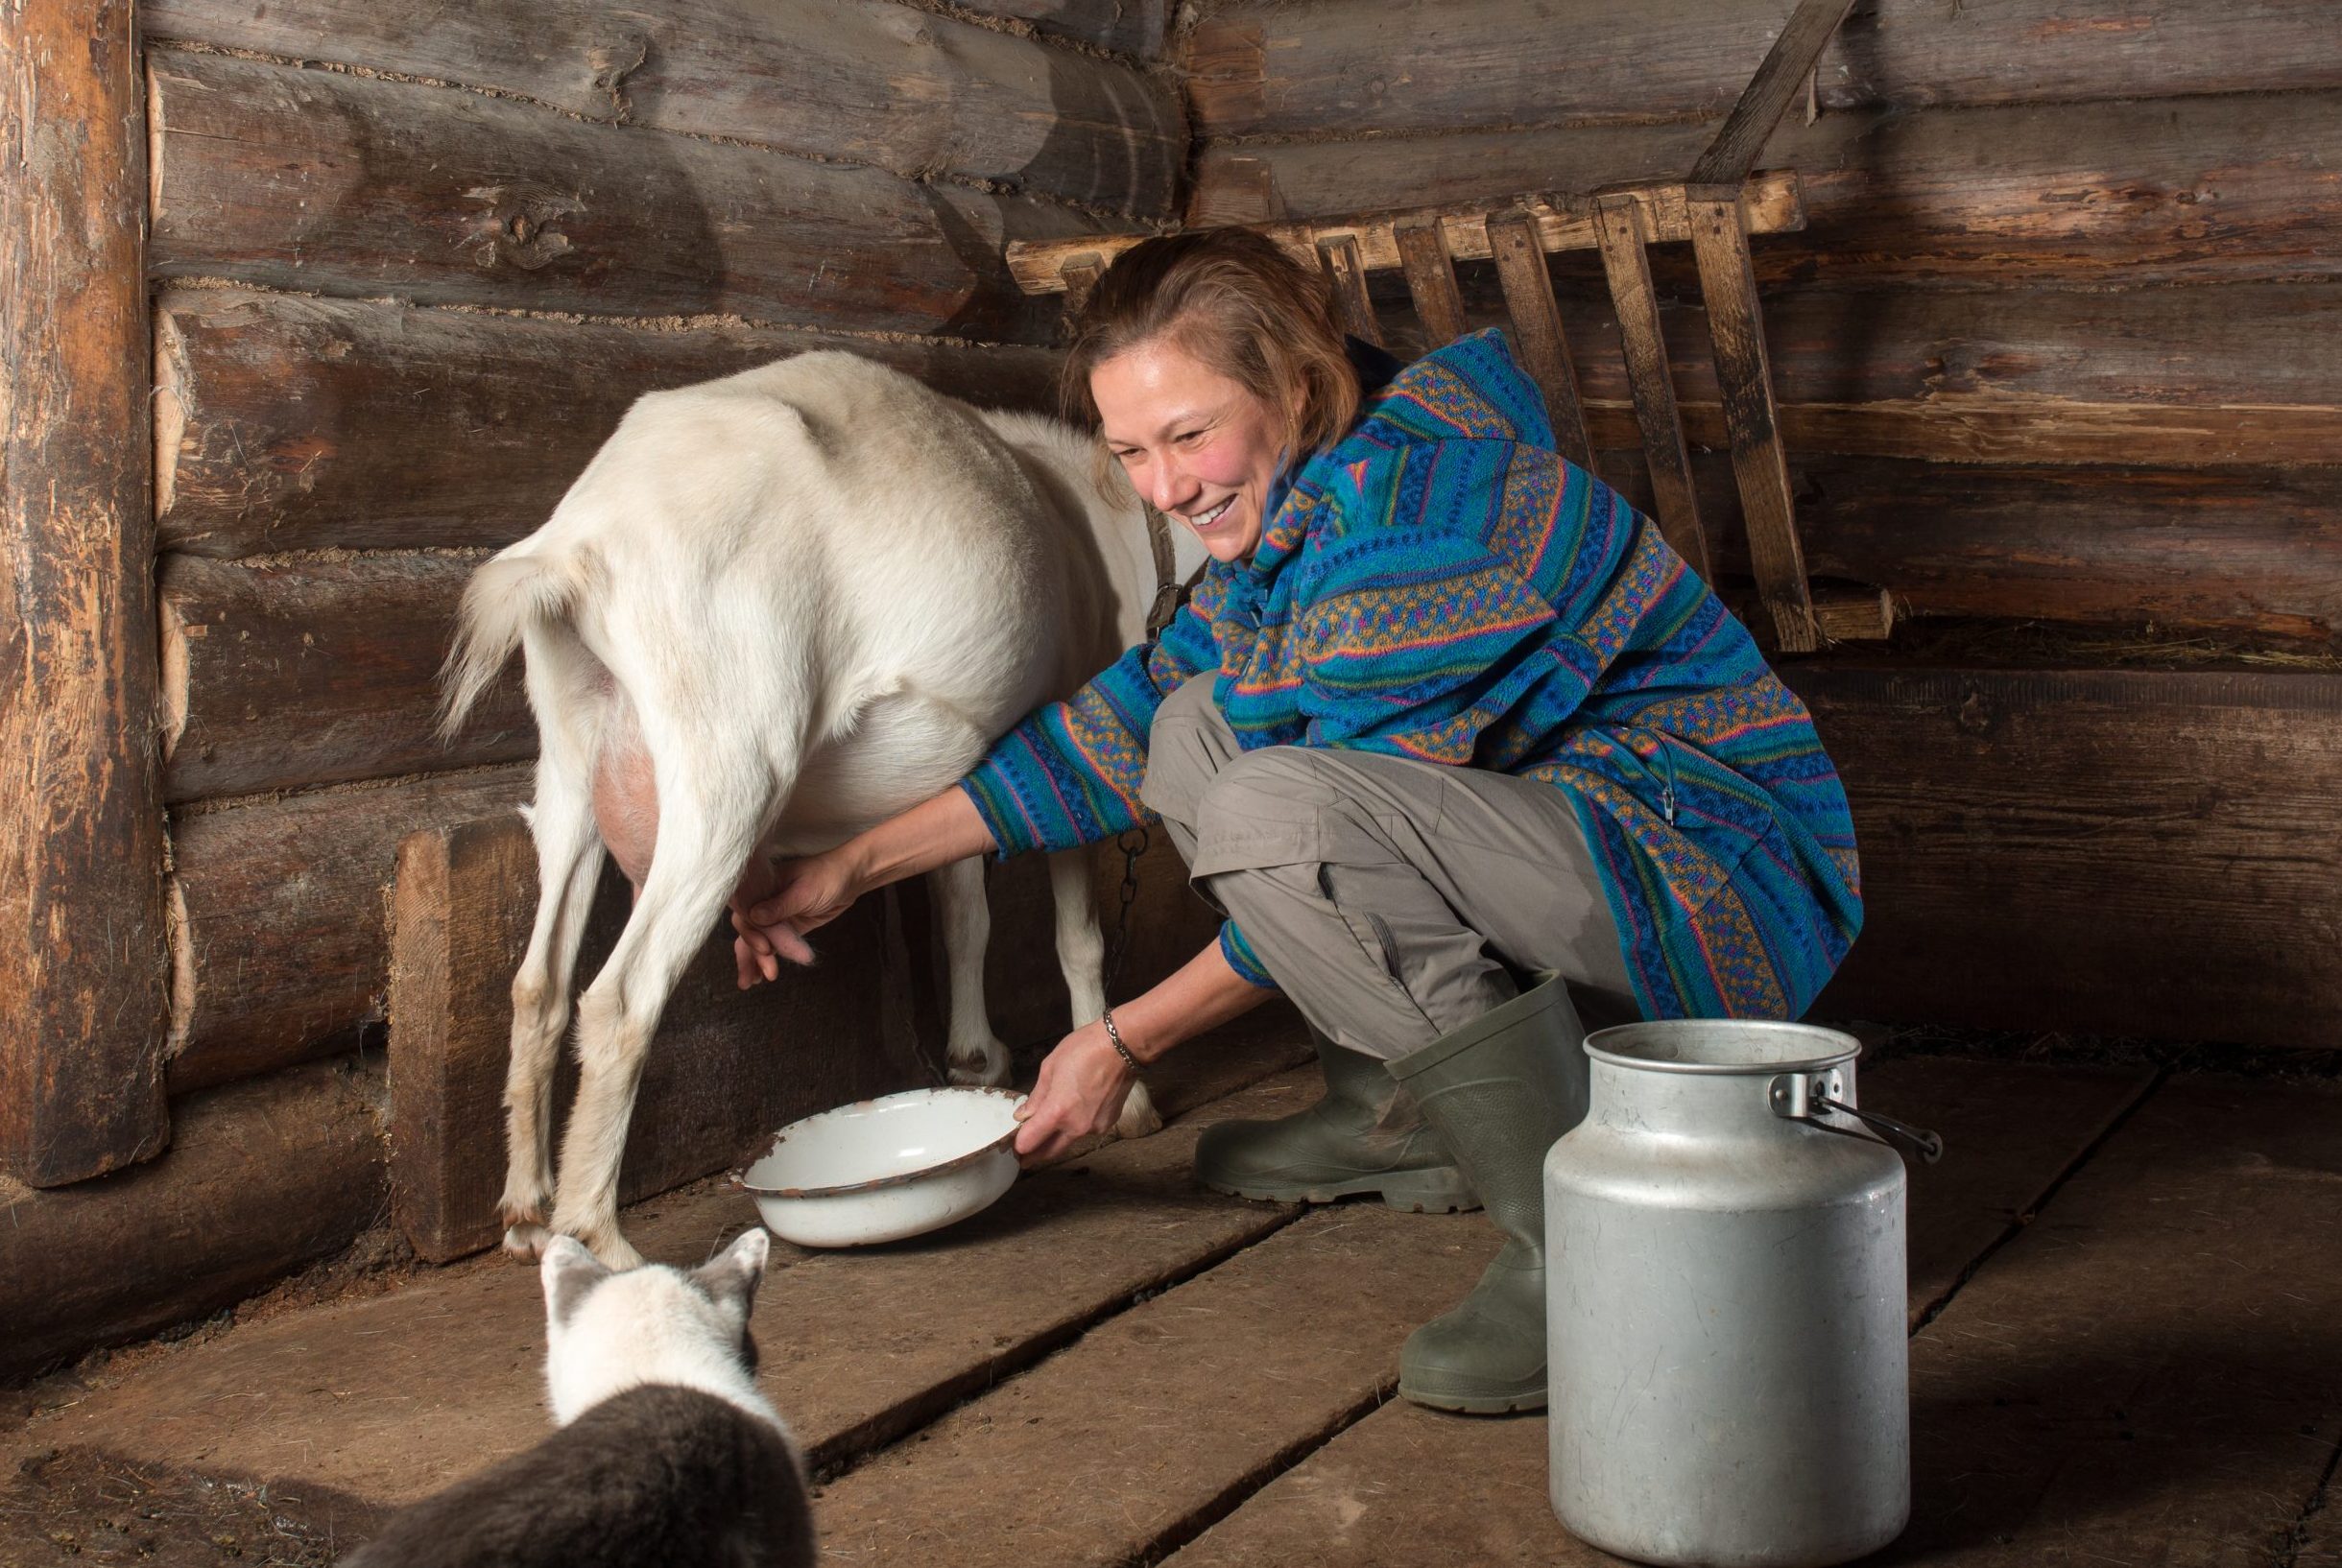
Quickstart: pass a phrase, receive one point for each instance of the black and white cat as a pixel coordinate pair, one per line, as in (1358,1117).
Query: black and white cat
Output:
(666,1453)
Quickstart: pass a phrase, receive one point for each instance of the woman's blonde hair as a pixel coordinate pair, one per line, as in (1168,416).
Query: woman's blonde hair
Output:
(1243,309)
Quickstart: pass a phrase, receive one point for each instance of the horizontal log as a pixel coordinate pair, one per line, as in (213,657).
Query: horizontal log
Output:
(1562,223)
(2174,376)
(2232,549)
(260,1179)
(2134,852)
(286,423)
(278,939)
(332,183)
(318,671)
(2116,193)
(1128,27)
(1267,67)
(867,81)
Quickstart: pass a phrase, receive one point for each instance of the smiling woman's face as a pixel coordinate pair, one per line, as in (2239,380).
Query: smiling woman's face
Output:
(1197,447)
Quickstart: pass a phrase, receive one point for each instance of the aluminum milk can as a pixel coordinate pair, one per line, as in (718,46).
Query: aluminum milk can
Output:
(1725,1308)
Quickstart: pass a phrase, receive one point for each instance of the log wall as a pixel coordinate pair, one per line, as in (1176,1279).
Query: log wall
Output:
(2047,352)
(407,273)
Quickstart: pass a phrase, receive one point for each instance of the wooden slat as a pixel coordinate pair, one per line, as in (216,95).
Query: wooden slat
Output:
(1537,328)
(2052,1420)
(1262,68)
(851,81)
(1788,66)
(2118,851)
(1345,270)
(1735,327)
(277,938)
(1256,1359)
(82,931)
(317,672)
(322,181)
(1629,270)
(285,422)
(260,1179)
(1562,223)
(1431,282)
(2106,194)
(714,1087)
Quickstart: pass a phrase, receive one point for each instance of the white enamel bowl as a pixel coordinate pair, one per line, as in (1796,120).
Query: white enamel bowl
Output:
(880,1170)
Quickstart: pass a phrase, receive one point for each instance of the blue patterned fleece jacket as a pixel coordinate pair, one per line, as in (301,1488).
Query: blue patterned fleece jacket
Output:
(1440,585)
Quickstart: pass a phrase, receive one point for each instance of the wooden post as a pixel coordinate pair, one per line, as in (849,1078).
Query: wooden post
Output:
(81,926)
(1431,280)
(1618,224)
(1536,327)
(1346,270)
(1729,285)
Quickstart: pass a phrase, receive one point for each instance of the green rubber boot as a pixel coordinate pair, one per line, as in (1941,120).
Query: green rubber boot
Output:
(1498,1091)
(1338,1147)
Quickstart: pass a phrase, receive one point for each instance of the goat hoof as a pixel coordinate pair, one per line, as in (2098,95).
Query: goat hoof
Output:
(1140,1117)
(989,1070)
(526,1241)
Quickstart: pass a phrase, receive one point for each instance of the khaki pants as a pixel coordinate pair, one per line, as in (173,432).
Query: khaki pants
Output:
(1392,900)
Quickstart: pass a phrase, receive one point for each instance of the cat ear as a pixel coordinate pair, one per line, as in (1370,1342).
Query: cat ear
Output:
(733,1274)
(570,1270)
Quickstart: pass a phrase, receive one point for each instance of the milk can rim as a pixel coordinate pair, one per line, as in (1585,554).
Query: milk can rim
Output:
(1851,1049)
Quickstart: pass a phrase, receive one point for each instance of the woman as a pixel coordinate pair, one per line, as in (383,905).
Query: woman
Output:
(1443,713)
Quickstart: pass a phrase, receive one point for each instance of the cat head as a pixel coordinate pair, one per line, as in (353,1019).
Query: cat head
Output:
(607,1331)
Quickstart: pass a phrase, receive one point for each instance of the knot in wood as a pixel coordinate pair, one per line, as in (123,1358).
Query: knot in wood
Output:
(520,225)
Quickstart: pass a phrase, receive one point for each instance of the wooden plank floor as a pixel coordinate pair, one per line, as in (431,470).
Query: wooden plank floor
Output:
(2129,1350)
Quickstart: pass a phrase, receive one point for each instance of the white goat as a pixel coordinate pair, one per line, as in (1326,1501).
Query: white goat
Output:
(813,593)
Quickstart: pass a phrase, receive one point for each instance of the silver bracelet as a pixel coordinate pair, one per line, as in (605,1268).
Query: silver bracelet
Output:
(1114,1034)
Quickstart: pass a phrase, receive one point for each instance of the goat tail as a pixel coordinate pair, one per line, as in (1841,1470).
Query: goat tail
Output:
(505,597)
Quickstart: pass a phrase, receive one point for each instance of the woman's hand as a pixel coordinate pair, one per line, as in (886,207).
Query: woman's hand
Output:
(1081,1085)
(773,911)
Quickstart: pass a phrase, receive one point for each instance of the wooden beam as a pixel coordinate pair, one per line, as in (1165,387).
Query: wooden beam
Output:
(846,80)
(262,1178)
(279,908)
(83,939)
(1619,224)
(2107,194)
(1537,328)
(2118,851)
(1788,66)
(1736,328)
(1431,281)
(1562,223)
(1345,273)
(291,423)
(327,183)
(318,671)
(2255,551)
(1258,69)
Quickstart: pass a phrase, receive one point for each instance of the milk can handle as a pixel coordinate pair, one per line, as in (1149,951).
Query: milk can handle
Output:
(1798,1097)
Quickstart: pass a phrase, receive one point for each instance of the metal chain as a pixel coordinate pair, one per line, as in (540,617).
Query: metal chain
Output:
(1132,841)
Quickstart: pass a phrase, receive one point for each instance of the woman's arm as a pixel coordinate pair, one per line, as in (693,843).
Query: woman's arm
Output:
(775,906)
(1084,1080)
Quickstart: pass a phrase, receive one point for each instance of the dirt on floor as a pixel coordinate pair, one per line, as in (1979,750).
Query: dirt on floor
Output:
(81,1507)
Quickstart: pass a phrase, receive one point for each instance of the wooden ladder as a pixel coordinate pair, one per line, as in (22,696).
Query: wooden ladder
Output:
(1715,208)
